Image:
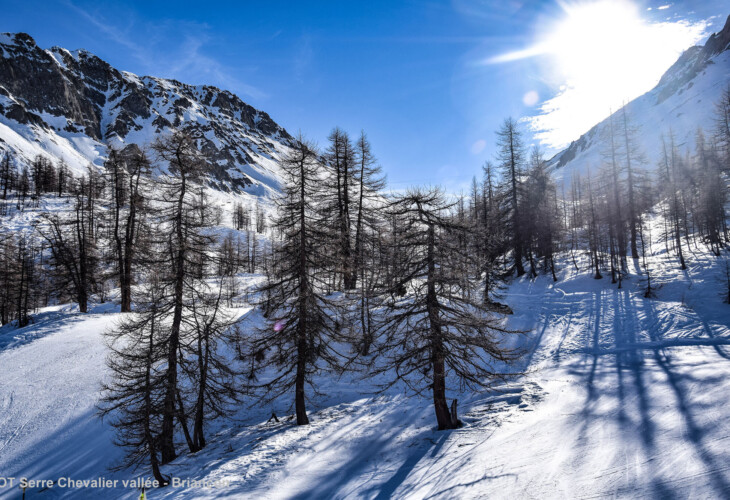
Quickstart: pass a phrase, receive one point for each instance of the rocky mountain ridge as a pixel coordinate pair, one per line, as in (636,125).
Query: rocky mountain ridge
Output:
(69,105)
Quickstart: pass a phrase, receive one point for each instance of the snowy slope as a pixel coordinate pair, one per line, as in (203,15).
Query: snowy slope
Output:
(69,105)
(684,99)
(51,380)
(622,397)
(580,424)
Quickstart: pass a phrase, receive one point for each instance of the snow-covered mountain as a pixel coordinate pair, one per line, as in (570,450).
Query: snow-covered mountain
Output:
(69,105)
(684,99)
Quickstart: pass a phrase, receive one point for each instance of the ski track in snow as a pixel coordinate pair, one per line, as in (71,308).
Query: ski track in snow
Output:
(613,403)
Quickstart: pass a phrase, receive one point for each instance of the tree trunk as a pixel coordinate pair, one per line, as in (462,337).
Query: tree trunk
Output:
(184,424)
(198,434)
(83,261)
(630,181)
(443,417)
(678,239)
(299,400)
(516,240)
(129,236)
(149,438)
(168,419)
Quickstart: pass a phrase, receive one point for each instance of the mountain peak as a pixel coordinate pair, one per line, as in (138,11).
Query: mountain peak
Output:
(56,96)
(720,41)
(693,61)
(19,38)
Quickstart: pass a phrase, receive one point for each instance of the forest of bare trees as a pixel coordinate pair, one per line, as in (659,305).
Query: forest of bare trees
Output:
(353,277)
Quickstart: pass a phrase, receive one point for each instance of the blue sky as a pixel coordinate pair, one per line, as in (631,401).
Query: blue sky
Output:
(426,80)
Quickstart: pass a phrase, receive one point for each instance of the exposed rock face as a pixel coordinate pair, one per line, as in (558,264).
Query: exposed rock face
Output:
(693,62)
(69,104)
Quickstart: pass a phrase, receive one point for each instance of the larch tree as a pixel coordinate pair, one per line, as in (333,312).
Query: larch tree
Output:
(611,155)
(633,158)
(368,221)
(491,229)
(511,155)
(300,337)
(180,245)
(437,331)
(722,128)
(125,173)
(712,193)
(73,249)
(134,397)
(670,173)
(340,158)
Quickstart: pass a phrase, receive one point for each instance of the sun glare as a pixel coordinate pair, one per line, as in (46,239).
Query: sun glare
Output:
(602,53)
(597,36)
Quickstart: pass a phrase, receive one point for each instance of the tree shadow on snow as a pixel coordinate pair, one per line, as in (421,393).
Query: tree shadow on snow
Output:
(638,378)
(368,454)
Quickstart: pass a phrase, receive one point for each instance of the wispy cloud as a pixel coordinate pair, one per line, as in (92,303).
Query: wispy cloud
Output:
(194,62)
(303,57)
(110,31)
(186,60)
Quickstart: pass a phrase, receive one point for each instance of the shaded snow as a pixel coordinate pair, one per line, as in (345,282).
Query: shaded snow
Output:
(51,380)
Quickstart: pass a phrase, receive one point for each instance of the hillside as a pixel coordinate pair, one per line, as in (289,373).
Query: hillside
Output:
(68,106)
(684,100)
(621,396)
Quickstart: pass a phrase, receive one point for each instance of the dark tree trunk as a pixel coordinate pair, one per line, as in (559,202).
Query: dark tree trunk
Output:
(83,261)
(130,234)
(149,438)
(350,271)
(302,355)
(516,240)
(299,400)
(198,432)
(443,417)
(182,418)
(598,274)
(678,239)
(168,419)
(630,181)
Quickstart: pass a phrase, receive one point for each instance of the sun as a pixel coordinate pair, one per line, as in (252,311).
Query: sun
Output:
(593,37)
(598,55)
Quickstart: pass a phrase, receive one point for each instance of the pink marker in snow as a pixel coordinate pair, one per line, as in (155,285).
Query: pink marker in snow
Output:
(278,326)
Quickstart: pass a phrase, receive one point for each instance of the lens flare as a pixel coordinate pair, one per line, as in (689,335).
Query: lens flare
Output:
(530,98)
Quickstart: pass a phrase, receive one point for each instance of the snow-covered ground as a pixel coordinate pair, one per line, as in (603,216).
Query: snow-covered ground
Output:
(50,383)
(622,396)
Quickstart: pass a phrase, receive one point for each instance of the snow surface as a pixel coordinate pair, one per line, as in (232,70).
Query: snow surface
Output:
(51,379)
(621,396)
